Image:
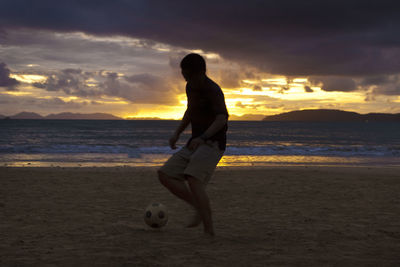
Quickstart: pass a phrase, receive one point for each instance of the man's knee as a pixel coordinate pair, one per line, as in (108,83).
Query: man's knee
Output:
(162,177)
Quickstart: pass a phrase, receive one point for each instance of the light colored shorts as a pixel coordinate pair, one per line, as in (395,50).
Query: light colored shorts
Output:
(199,163)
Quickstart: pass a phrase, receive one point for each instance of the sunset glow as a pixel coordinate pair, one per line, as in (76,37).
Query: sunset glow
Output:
(136,78)
(28,78)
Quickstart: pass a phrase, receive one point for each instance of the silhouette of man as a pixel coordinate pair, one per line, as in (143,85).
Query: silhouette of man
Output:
(188,171)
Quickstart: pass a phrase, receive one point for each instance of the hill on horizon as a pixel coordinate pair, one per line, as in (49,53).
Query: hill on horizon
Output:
(26,115)
(80,116)
(331,115)
(307,115)
(246,117)
(62,116)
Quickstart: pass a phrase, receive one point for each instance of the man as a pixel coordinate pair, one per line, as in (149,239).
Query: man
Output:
(194,163)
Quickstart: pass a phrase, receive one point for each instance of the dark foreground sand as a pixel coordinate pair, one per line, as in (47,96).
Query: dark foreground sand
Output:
(287,216)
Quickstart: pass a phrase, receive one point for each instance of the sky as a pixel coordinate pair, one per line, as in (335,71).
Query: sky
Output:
(122,57)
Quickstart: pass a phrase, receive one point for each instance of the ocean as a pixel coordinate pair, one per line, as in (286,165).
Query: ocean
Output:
(145,143)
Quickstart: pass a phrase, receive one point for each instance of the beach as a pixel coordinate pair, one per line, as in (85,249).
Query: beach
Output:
(263,216)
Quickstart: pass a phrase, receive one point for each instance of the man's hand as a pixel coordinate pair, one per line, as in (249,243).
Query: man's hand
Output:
(194,144)
(172,140)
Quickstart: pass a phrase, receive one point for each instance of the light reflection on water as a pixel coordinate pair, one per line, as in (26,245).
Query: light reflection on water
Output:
(304,160)
(154,160)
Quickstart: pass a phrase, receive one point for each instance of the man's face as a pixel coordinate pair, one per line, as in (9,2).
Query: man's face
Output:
(194,79)
(188,75)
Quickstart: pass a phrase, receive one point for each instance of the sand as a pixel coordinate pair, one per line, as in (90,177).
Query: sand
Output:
(271,216)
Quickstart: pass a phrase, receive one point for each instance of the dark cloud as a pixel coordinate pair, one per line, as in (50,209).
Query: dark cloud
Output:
(381,85)
(71,82)
(5,80)
(95,102)
(257,88)
(148,80)
(389,89)
(138,88)
(372,85)
(283,37)
(308,89)
(22,102)
(58,103)
(51,50)
(334,83)
(141,88)
(249,106)
(229,79)
(377,80)
(231,76)
(369,97)
(240,105)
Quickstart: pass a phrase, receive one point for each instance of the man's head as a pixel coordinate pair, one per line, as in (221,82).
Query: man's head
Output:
(193,68)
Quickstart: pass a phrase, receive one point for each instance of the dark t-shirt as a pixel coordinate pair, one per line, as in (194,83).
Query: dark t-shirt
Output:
(204,104)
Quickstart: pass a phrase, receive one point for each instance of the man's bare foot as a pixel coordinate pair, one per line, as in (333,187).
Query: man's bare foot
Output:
(196,221)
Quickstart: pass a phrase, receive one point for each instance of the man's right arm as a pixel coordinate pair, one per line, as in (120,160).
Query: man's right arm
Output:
(182,126)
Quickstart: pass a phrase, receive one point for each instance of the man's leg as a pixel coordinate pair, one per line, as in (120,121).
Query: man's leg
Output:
(178,188)
(198,189)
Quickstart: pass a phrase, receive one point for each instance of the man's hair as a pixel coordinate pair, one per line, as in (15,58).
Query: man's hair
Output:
(194,63)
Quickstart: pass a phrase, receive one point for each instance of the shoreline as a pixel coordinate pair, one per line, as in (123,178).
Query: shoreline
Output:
(226,162)
(220,168)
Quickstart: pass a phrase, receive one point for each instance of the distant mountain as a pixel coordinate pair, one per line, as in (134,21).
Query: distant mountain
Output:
(63,116)
(331,115)
(246,117)
(145,119)
(79,116)
(27,116)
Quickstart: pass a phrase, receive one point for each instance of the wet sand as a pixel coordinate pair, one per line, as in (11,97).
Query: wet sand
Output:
(270,216)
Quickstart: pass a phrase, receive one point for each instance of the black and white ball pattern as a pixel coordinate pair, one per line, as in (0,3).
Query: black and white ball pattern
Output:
(156,215)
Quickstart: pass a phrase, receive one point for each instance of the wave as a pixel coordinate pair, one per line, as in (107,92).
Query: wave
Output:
(68,149)
(287,150)
(352,151)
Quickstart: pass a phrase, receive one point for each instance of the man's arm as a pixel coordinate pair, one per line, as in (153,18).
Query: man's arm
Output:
(184,123)
(182,126)
(219,122)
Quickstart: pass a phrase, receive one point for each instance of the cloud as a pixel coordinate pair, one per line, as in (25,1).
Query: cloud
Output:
(5,80)
(141,88)
(388,85)
(57,51)
(381,85)
(59,103)
(229,79)
(71,82)
(138,88)
(232,76)
(240,105)
(334,83)
(390,89)
(257,88)
(282,37)
(261,106)
(308,89)
(376,80)
(18,103)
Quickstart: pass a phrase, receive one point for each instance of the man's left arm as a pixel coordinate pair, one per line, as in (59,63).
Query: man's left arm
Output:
(219,107)
(219,122)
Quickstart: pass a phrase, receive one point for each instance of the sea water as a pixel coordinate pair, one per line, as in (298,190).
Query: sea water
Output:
(145,143)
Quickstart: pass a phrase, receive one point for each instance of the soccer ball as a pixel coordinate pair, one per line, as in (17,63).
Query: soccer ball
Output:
(156,215)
